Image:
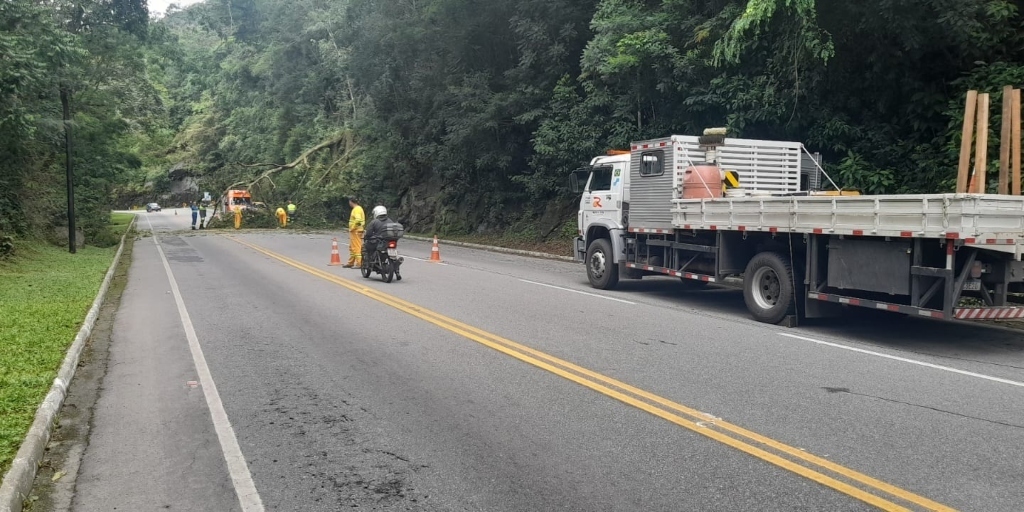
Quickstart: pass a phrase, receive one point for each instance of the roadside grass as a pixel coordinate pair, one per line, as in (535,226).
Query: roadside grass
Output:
(119,223)
(44,297)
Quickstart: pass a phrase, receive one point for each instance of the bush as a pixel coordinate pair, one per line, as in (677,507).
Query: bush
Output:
(103,237)
(6,247)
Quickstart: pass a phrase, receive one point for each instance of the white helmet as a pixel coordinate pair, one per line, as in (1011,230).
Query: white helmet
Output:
(380,211)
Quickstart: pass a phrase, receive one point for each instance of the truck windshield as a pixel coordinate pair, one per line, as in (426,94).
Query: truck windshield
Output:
(601,178)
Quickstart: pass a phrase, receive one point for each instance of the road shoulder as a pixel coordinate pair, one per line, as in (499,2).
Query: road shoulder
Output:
(54,484)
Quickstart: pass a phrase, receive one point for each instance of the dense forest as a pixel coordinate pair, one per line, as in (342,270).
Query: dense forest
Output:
(467,115)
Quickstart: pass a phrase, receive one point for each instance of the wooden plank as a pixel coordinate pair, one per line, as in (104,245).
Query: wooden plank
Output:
(1015,142)
(965,142)
(1004,141)
(981,148)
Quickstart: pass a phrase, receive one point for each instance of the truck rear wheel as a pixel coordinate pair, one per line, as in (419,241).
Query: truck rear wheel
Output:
(602,273)
(768,287)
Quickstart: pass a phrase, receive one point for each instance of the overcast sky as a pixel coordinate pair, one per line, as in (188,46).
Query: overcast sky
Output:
(157,8)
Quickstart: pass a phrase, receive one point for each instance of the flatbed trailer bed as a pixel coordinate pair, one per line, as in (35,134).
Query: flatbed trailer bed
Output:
(993,221)
(917,254)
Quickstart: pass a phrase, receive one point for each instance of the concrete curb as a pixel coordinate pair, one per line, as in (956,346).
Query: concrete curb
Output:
(491,248)
(17,483)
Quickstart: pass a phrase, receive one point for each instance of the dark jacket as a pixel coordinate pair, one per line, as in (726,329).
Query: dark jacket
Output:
(376,227)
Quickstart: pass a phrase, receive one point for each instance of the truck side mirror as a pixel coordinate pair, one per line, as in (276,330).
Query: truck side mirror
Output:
(574,182)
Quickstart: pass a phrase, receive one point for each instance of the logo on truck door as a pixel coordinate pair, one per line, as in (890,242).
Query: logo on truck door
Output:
(597,202)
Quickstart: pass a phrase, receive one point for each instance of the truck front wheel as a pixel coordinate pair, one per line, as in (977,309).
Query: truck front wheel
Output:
(603,274)
(768,287)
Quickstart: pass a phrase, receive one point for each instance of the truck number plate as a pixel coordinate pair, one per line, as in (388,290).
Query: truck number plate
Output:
(972,284)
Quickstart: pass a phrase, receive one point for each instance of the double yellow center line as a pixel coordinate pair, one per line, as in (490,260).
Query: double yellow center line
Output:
(858,485)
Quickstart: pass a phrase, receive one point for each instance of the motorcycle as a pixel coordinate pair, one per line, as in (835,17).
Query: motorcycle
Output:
(384,260)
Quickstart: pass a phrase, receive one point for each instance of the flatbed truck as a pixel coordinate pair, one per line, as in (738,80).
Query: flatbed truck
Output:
(799,251)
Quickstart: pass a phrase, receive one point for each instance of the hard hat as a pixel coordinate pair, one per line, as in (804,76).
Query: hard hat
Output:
(380,211)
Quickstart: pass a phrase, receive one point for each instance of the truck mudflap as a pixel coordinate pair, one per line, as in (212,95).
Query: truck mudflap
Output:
(580,254)
(986,313)
(670,272)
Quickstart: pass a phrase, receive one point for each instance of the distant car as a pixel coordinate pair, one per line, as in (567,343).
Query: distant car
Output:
(152,207)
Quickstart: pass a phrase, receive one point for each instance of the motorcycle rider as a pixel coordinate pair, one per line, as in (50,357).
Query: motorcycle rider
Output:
(372,235)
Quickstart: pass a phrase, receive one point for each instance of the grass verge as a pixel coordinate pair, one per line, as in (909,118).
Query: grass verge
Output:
(45,296)
(119,223)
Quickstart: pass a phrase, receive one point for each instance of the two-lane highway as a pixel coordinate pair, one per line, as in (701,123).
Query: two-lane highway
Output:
(495,382)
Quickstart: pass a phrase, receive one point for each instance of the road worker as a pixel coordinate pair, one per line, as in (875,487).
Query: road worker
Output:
(195,213)
(282,217)
(291,211)
(356,226)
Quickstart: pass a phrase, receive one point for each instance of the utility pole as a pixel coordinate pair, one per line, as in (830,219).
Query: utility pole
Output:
(65,100)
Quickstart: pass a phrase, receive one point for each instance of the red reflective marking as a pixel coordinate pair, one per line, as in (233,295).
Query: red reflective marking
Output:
(990,240)
(952,236)
(855,302)
(858,232)
(742,228)
(906,233)
(817,231)
(773,230)
(892,307)
(971,240)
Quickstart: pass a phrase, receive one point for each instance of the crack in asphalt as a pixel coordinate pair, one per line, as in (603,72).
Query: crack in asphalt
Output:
(833,390)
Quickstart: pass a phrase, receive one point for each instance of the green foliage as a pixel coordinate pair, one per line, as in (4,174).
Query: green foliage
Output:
(91,49)
(466,116)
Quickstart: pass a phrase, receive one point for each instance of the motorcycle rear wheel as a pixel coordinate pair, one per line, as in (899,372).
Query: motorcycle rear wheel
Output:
(387,270)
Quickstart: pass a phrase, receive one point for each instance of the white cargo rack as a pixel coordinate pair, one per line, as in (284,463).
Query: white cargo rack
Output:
(762,165)
(978,219)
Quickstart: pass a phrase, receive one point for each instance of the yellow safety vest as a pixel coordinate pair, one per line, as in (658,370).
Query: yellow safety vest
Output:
(357,220)
(291,208)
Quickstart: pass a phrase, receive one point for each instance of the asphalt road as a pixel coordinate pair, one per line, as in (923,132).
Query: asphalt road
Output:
(501,383)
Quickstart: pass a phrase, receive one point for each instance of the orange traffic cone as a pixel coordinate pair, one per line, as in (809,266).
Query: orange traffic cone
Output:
(435,254)
(335,256)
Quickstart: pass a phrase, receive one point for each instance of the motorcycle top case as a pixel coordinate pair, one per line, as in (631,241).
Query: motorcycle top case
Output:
(392,231)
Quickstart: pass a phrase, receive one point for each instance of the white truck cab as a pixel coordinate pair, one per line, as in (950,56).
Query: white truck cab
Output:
(603,213)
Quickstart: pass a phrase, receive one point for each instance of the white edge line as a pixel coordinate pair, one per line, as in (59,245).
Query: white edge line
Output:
(423,260)
(578,291)
(906,360)
(245,488)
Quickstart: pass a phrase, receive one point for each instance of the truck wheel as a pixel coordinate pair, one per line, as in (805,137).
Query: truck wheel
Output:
(603,274)
(768,287)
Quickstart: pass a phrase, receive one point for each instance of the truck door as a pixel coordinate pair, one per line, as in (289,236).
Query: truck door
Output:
(602,197)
